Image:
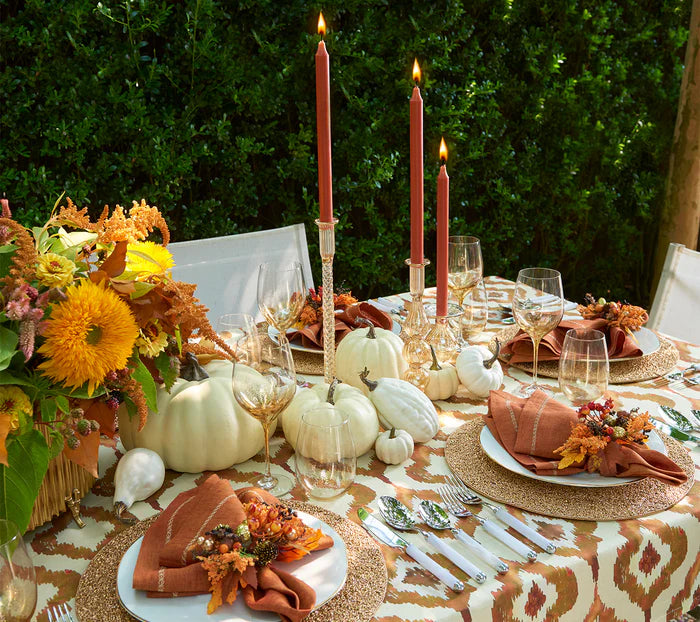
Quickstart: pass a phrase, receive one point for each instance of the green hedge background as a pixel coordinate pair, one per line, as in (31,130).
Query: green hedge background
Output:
(558,114)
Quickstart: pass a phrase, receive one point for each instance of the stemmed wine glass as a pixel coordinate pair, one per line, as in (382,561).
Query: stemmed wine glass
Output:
(465,268)
(281,295)
(17,576)
(264,382)
(538,306)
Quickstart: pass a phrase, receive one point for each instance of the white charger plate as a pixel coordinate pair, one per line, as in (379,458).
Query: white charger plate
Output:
(647,340)
(494,450)
(325,571)
(272,333)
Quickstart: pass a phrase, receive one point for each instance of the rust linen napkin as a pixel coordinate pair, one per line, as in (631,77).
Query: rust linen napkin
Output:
(165,569)
(530,429)
(620,344)
(346,321)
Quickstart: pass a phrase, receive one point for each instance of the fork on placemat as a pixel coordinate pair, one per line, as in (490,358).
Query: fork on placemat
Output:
(690,375)
(60,613)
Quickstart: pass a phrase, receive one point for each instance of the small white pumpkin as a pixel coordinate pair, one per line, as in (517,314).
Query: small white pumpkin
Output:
(442,379)
(402,406)
(350,401)
(140,472)
(373,348)
(479,371)
(394,446)
(199,425)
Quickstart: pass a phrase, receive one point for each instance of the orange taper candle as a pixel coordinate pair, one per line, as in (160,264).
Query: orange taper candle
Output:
(443,231)
(416,169)
(323,127)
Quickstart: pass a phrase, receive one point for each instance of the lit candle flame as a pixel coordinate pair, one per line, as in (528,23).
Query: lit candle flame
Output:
(416,70)
(443,150)
(321,24)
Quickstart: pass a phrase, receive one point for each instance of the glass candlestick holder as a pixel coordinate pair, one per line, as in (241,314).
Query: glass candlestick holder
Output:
(416,322)
(416,352)
(443,340)
(326,237)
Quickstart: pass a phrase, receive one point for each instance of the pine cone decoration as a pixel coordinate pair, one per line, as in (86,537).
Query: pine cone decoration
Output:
(266,551)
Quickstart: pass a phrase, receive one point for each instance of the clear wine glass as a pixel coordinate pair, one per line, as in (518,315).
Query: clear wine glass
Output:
(584,368)
(538,306)
(264,382)
(325,453)
(281,295)
(476,312)
(233,327)
(465,267)
(17,576)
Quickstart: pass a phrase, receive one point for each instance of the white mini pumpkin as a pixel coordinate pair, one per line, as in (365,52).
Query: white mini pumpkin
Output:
(402,406)
(394,446)
(442,380)
(479,370)
(377,349)
(199,425)
(350,401)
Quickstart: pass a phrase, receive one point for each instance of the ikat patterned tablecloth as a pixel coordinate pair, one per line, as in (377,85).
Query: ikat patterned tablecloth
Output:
(646,569)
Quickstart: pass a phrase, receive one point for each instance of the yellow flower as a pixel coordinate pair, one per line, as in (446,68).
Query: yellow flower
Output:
(151,341)
(54,270)
(148,258)
(88,335)
(14,401)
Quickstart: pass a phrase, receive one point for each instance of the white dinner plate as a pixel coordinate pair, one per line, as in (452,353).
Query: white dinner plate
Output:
(499,455)
(325,571)
(647,340)
(273,332)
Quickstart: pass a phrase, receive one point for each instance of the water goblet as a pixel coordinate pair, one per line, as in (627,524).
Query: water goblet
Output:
(17,576)
(325,453)
(281,295)
(264,382)
(538,306)
(584,368)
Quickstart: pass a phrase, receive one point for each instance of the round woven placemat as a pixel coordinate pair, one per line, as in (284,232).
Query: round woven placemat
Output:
(641,498)
(645,367)
(304,362)
(363,592)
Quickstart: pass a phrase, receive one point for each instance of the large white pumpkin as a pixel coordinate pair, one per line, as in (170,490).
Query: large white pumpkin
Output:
(362,416)
(199,425)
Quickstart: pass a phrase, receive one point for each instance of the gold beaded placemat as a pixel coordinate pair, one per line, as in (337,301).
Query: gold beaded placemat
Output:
(645,367)
(646,496)
(363,592)
(305,362)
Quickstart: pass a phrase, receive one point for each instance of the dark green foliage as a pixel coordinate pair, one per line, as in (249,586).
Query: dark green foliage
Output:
(558,115)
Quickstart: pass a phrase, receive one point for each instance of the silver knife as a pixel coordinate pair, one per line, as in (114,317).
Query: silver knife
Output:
(382,533)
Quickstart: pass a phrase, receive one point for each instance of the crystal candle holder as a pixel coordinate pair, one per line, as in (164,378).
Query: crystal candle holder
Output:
(416,322)
(443,341)
(326,238)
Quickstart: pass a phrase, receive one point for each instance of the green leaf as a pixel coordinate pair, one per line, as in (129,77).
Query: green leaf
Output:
(56,443)
(8,346)
(48,410)
(28,456)
(144,378)
(168,368)
(63,404)
(131,409)
(141,288)
(81,393)
(6,253)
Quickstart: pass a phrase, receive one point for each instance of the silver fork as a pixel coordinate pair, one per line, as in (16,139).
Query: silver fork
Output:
(58,615)
(454,506)
(468,496)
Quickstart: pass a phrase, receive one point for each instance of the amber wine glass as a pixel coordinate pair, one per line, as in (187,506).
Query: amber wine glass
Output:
(264,382)
(538,306)
(281,295)
(465,267)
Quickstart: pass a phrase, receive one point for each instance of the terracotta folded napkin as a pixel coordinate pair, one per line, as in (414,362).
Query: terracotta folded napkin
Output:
(620,344)
(530,429)
(346,321)
(165,569)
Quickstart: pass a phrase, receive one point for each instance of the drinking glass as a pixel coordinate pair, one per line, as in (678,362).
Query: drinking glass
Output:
(538,306)
(281,295)
(476,312)
(465,267)
(264,383)
(583,367)
(233,327)
(325,453)
(17,577)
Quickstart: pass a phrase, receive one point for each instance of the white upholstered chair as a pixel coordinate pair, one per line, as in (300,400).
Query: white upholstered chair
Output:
(225,269)
(676,307)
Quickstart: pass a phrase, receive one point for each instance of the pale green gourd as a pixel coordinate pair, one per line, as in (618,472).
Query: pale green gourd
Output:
(140,472)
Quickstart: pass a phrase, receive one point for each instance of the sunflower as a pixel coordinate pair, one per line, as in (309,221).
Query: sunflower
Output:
(54,270)
(13,402)
(148,258)
(88,335)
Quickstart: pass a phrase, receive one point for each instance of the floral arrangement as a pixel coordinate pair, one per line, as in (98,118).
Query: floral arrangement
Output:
(600,424)
(312,313)
(623,315)
(89,319)
(269,533)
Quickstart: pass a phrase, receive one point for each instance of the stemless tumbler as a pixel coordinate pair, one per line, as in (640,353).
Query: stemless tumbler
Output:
(17,576)
(583,366)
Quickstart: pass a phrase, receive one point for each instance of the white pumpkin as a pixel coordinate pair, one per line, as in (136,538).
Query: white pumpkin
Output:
(479,371)
(140,472)
(394,446)
(350,401)
(199,425)
(442,380)
(402,406)
(376,349)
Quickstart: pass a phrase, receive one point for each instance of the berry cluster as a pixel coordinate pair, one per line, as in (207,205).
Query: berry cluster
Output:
(74,425)
(603,420)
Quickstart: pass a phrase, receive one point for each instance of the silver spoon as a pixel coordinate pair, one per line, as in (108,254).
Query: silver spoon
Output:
(400,517)
(434,516)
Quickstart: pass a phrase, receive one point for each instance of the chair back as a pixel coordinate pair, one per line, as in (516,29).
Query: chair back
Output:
(225,269)
(676,307)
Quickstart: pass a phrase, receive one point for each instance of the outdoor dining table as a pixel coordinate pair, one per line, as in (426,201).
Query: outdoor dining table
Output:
(638,569)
